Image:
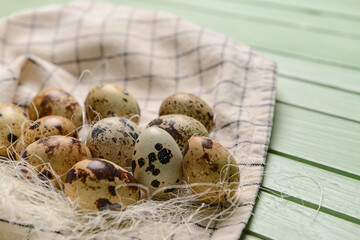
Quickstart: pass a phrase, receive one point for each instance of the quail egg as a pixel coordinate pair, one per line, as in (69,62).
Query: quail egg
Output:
(190,105)
(99,184)
(60,152)
(110,100)
(157,162)
(54,101)
(180,127)
(45,127)
(12,118)
(113,139)
(210,169)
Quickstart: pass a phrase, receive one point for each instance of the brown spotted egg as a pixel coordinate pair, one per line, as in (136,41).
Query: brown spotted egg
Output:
(190,105)
(60,152)
(110,100)
(157,162)
(99,184)
(210,165)
(54,101)
(45,127)
(113,139)
(180,127)
(12,118)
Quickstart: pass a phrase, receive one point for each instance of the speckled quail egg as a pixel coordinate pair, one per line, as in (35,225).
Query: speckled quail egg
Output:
(113,139)
(157,161)
(54,101)
(180,127)
(45,127)
(12,118)
(99,184)
(60,152)
(190,105)
(110,100)
(209,163)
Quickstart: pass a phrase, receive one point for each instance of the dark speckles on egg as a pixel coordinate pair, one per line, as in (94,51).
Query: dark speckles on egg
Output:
(133,165)
(105,185)
(70,176)
(141,162)
(152,157)
(115,141)
(155,183)
(156,172)
(35,125)
(12,138)
(169,190)
(207,143)
(96,131)
(158,146)
(111,190)
(164,156)
(103,204)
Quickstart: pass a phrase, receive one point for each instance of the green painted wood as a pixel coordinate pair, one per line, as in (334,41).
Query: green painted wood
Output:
(273,16)
(250,237)
(318,73)
(319,98)
(317,138)
(336,194)
(278,218)
(334,8)
(261,34)
(13,6)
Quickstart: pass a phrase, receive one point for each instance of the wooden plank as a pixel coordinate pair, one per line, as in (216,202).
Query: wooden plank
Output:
(7,7)
(317,138)
(270,36)
(282,17)
(319,98)
(279,218)
(335,8)
(246,236)
(319,73)
(337,195)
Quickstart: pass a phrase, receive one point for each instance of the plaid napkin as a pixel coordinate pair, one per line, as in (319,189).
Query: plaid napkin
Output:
(153,54)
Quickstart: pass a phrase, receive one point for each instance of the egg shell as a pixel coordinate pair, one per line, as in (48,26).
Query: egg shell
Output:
(157,161)
(45,127)
(113,139)
(12,118)
(99,184)
(190,105)
(55,101)
(61,152)
(110,100)
(180,127)
(208,162)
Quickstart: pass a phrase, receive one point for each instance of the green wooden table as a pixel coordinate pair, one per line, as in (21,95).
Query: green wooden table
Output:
(311,188)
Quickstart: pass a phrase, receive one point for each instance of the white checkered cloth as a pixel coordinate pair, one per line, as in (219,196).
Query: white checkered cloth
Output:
(153,54)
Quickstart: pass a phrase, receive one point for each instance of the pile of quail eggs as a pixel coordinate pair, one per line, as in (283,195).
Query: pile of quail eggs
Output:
(118,164)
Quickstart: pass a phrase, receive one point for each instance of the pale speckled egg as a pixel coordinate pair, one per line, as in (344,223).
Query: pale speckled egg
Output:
(113,139)
(110,100)
(12,118)
(190,105)
(55,101)
(206,161)
(99,184)
(45,127)
(157,161)
(61,152)
(180,127)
